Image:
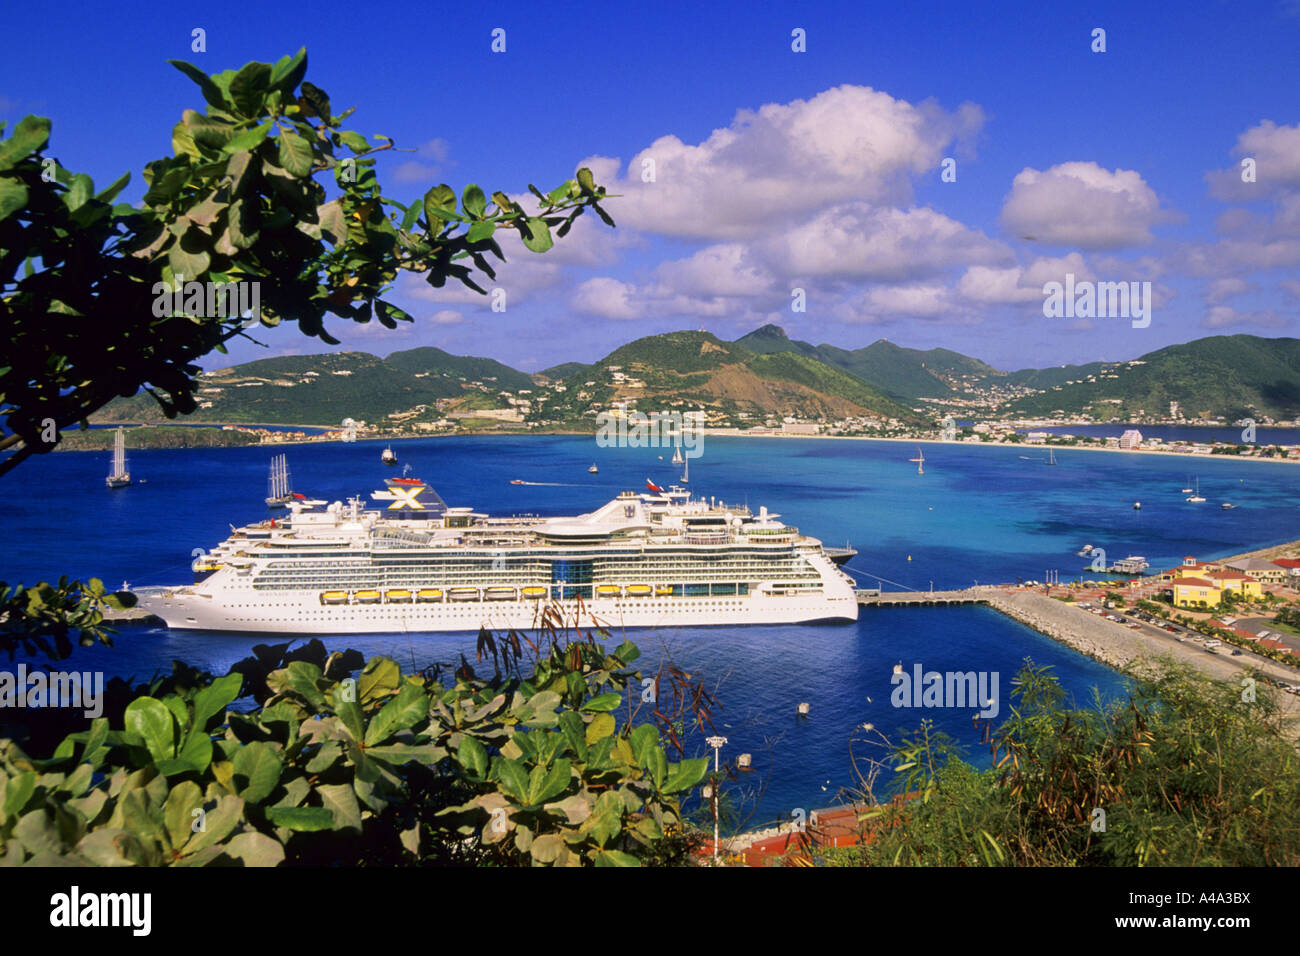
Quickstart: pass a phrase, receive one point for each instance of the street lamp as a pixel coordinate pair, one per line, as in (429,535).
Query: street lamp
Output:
(717,744)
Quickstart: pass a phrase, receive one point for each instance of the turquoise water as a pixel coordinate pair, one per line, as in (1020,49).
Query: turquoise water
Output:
(977,514)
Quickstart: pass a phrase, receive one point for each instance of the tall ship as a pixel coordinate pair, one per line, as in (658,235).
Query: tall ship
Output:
(658,558)
(278,484)
(119,476)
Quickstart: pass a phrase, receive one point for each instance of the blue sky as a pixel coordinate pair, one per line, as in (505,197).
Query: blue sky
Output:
(774,170)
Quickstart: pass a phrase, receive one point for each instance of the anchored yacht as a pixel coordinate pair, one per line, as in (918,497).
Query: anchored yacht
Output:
(660,558)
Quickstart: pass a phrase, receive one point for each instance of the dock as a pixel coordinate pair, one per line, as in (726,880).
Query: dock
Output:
(875,598)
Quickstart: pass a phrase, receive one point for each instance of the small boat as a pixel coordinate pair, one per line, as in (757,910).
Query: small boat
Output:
(534,593)
(398,594)
(428,595)
(1137,506)
(664,590)
(920,461)
(608,590)
(1084,551)
(388,458)
(118,475)
(593,469)
(1051,457)
(1196,498)
(498,593)
(639,590)
(1227,506)
(516,481)
(1188,489)
(463,594)
(334,597)
(677,456)
(279,493)
(367,597)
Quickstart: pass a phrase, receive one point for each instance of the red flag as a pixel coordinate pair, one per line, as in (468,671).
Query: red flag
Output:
(653,487)
(300,497)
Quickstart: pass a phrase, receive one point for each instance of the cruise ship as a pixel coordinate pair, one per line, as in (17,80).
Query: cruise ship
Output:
(658,558)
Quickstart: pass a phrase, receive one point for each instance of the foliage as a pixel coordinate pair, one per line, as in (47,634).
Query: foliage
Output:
(1187,772)
(237,201)
(49,617)
(383,769)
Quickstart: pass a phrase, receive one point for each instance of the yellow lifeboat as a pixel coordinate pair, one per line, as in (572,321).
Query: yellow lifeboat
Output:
(367,597)
(608,590)
(429,594)
(463,594)
(664,590)
(534,593)
(638,590)
(334,597)
(398,594)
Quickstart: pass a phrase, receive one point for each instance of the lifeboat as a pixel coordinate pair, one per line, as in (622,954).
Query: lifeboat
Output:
(498,593)
(366,597)
(638,590)
(463,594)
(334,597)
(428,594)
(608,590)
(398,594)
(534,593)
(664,590)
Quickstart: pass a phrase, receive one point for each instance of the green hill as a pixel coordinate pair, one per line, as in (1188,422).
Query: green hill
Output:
(435,363)
(1224,376)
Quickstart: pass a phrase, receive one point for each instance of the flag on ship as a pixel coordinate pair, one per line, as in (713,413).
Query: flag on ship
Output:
(653,487)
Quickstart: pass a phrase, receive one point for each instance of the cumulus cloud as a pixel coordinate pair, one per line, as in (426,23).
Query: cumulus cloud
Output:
(1222,289)
(784,160)
(446,317)
(1276,154)
(606,298)
(1222,316)
(1081,204)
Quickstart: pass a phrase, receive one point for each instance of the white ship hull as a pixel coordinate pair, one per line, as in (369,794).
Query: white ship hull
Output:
(188,609)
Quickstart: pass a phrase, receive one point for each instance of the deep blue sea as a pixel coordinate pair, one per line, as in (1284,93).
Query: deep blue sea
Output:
(977,514)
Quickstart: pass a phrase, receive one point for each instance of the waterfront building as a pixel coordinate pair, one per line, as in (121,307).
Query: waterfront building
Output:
(1190,591)
(1132,438)
(1261,570)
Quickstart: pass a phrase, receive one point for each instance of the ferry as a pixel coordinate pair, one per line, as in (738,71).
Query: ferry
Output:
(656,558)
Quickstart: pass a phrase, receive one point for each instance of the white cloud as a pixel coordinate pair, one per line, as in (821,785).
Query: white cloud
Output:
(997,286)
(1276,152)
(605,298)
(784,160)
(1222,316)
(446,317)
(1222,289)
(1081,204)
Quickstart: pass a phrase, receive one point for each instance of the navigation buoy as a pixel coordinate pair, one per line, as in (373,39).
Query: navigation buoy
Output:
(909,557)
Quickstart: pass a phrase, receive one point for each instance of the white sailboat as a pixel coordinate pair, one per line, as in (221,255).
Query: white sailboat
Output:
(677,456)
(118,476)
(278,490)
(1196,498)
(920,461)
(1051,457)
(686,473)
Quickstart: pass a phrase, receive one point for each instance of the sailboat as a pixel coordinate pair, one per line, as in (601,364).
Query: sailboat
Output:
(388,458)
(277,486)
(593,469)
(920,461)
(686,474)
(1188,489)
(118,476)
(1197,497)
(677,456)
(1051,457)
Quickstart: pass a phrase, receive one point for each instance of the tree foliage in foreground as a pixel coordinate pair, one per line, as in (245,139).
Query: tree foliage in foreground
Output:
(384,769)
(237,201)
(1186,771)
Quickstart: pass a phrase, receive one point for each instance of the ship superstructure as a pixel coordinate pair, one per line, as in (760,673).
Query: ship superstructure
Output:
(656,559)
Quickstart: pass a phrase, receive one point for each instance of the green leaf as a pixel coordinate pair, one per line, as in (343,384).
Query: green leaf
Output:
(341,800)
(249,88)
(409,706)
(295,154)
(217,824)
(256,849)
(480,231)
(512,777)
(686,775)
(473,201)
(260,766)
(31,133)
(536,235)
(249,139)
(215,698)
(302,819)
(190,264)
(317,100)
(657,764)
(197,749)
(18,790)
(615,858)
(354,141)
(289,71)
(585,180)
(605,702)
(13,196)
(178,812)
(440,204)
(601,726)
(547,848)
(472,755)
(211,92)
(545,785)
(153,722)
(380,678)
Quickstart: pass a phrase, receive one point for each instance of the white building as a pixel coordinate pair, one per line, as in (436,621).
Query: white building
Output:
(1130,439)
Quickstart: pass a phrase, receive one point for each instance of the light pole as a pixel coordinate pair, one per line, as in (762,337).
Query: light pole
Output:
(717,744)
